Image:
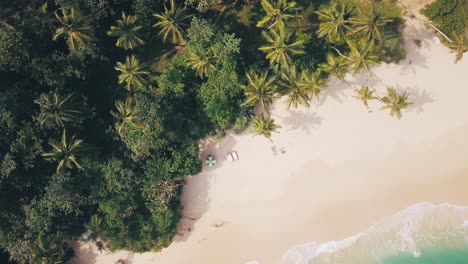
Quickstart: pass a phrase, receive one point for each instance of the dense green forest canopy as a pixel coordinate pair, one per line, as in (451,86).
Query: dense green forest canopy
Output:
(102,102)
(451,18)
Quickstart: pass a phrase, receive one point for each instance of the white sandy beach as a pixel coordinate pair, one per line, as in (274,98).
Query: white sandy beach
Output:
(344,167)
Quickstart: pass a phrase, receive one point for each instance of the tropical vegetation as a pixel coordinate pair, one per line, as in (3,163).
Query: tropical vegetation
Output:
(126,32)
(450,18)
(103,103)
(264,126)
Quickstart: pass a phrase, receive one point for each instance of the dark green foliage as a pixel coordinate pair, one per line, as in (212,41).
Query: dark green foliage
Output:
(450,16)
(13,53)
(60,207)
(178,86)
(220,94)
(121,174)
(50,249)
(176,162)
(219,100)
(243,120)
(60,69)
(202,5)
(131,219)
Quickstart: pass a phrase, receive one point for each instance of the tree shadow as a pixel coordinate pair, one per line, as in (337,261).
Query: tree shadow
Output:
(83,252)
(416,39)
(195,199)
(419,97)
(335,90)
(304,121)
(366,79)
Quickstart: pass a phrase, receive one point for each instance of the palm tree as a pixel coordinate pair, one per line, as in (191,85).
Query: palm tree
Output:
(132,73)
(44,18)
(127,32)
(363,55)
(260,88)
(334,22)
(95,227)
(291,81)
(432,26)
(459,45)
(336,65)
(365,95)
(277,12)
(313,83)
(264,126)
(5,15)
(368,26)
(203,63)
(49,250)
(74,28)
(395,102)
(127,114)
(57,109)
(279,48)
(172,23)
(66,152)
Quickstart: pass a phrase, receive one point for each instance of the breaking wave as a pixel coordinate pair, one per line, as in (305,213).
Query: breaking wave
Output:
(416,228)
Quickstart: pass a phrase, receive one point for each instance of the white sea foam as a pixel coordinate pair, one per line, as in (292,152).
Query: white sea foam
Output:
(419,226)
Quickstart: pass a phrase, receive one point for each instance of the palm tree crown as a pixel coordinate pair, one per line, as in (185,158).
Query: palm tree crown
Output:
(260,88)
(57,109)
(74,28)
(368,26)
(365,95)
(44,18)
(66,152)
(127,32)
(48,250)
(459,45)
(313,83)
(395,102)
(203,63)
(95,227)
(335,22)
(363,55)
(335,65)
(279,48)
(264,126)
(172,23)
(127,114)
(292,82)
(132,73)
(277,12)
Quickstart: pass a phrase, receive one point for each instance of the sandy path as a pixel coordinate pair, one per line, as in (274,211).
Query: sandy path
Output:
(343,170)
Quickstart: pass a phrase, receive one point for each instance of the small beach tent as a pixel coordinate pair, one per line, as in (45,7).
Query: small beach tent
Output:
(210,161)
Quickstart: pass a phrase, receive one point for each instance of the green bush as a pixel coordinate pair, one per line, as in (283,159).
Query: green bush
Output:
(392,46)
(449,15)
(219,134)
(243,121)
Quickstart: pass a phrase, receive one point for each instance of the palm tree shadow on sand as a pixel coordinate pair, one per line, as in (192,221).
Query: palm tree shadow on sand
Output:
(335,90)
(416,39)
(305,121)
(419,97)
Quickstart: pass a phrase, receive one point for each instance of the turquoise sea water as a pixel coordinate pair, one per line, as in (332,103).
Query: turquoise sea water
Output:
(421,234)
(432,256)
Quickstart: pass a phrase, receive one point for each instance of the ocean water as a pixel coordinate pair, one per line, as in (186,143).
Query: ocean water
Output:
(432,256)
(421,234)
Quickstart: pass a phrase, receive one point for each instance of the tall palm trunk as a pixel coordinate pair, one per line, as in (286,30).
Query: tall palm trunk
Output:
(432,26)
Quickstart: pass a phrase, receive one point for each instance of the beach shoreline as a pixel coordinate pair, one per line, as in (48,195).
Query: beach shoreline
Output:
(343,168)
